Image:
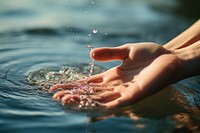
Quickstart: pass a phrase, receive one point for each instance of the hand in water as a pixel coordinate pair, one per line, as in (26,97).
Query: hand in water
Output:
(146,69)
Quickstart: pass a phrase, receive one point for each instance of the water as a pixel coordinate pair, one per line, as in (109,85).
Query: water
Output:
(91,64)
(38,37)
(67,79)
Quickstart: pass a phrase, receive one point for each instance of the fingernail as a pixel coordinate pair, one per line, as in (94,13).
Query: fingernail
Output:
(92,55)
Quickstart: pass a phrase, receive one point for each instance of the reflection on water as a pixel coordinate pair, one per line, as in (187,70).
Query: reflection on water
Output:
(184,123)
(38,37)
(188,97)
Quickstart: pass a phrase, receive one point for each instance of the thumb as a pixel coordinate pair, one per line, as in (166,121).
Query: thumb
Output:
(108,53)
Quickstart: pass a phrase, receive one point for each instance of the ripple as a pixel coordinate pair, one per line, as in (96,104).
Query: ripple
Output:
(66,78)
(18,13)
(186,97)
(39,38)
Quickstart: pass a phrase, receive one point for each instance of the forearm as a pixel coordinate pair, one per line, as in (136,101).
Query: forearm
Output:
(190,60)
(188,37)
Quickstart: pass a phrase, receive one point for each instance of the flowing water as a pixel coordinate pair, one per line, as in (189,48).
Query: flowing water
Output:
(46,40)
(91,64)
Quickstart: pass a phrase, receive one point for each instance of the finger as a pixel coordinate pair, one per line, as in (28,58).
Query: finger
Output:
(106,96)
(70,99)
(107,54)
(115,103)
(60,94)
(128,96)
(82,80)
(95,78)
(65,99)
(125,99)
(60,86)
(102,88)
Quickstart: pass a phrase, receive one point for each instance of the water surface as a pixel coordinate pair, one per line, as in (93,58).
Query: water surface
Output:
(49,34)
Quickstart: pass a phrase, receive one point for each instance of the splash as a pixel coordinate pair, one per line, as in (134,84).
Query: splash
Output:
(91,64)
(71,81)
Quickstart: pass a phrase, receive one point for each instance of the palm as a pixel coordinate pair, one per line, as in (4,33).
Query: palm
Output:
(137,77)
(146,69)
(139,59)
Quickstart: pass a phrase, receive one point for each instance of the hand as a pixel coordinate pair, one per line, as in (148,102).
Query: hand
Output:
(146,69)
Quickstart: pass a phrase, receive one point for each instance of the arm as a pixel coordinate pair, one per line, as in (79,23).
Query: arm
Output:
(186,38)
(190,58)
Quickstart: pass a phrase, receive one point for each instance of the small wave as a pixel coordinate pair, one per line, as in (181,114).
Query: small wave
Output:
(45,31)
(188,98)
(18,13)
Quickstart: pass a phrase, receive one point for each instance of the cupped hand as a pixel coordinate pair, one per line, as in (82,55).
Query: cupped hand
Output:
(146,68)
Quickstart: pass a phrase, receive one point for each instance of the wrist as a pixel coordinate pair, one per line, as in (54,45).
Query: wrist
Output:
(181,41)
(188,37)
(190,60)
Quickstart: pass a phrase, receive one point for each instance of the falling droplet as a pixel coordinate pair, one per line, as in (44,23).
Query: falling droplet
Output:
(90,47)
(94,31)
(91,64)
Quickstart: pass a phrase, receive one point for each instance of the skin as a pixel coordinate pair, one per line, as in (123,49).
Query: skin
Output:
(146,69)
(186,38)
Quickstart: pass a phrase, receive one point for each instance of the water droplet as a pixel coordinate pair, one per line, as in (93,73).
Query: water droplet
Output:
(90,47)
(89,35)
(91,64)
(94,31)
